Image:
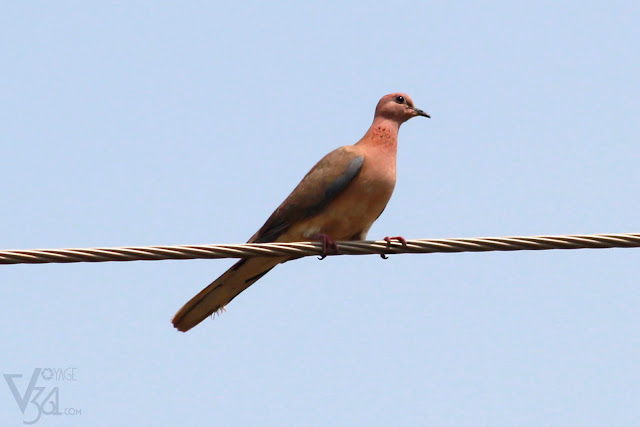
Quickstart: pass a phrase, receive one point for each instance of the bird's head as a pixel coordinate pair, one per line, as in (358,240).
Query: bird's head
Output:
(398,107)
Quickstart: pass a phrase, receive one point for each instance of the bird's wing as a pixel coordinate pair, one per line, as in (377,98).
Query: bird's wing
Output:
(328,178)
(324,182)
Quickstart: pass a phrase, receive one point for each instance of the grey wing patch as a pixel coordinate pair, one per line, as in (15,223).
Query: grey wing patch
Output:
(281,219)
(336,187)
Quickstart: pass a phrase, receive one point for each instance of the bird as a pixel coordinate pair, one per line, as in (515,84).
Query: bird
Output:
(337,200)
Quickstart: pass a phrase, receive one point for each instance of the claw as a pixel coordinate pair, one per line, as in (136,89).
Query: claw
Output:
(329,246)
(400,239)
(389,239)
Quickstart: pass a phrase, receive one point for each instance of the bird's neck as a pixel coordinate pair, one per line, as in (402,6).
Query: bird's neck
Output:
(383,134)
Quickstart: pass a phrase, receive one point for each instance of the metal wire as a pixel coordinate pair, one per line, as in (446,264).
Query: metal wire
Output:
(301,249)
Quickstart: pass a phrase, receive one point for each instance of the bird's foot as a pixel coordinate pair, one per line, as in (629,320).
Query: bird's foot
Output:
(329,246)
(389,239)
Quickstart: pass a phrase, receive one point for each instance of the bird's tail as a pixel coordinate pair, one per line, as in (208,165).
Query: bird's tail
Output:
(214,297)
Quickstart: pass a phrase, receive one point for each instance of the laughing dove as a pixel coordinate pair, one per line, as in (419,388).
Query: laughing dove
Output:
(339,199)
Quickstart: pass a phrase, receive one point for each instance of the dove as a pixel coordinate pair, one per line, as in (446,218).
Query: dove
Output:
(337,200)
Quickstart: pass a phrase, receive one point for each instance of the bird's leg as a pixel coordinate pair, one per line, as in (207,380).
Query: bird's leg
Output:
(389,239)
(329,246)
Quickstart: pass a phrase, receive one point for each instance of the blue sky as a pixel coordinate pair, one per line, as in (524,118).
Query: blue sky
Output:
(142,123)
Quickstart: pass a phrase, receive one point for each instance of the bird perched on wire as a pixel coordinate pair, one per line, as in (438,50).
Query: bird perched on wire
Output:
(339,199)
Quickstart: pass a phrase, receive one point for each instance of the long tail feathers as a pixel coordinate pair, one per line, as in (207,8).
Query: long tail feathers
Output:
(214,297)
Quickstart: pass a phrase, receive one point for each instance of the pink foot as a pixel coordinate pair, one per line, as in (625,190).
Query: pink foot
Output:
(329,246)
(389,239)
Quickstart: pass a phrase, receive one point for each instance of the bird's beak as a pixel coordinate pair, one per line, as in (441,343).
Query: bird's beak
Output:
(419,112)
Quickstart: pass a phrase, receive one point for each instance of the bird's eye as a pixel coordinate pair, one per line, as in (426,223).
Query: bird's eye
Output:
(400,99)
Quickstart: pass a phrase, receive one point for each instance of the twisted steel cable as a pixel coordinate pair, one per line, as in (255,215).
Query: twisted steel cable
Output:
(301,249)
